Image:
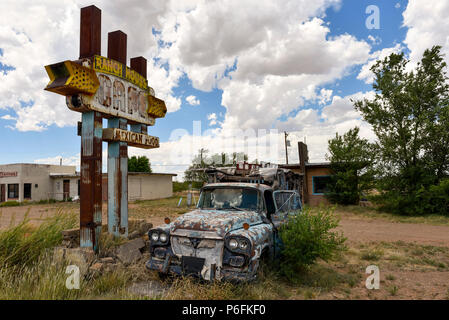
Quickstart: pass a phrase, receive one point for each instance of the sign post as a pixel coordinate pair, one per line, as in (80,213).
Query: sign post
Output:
(101,87)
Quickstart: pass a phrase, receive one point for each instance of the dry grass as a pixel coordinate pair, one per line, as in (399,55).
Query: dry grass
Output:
(28,271)
(159,208)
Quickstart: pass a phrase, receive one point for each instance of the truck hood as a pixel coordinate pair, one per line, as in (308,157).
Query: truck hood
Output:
(218,221)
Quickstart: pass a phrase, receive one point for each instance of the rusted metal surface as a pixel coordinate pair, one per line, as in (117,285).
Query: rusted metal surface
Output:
(139,128)
(206,234)
(91,175)
(139,64)
(117,42)
(90,32)
(134,139)
(117,183)
(156,107)
(68,77)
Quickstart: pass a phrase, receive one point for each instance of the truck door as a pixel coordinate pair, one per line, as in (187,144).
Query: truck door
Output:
(288,202)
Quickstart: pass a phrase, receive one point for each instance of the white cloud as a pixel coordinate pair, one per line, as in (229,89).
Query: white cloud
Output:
(375,40)
(428,25)
(279,53)
(269,58)
(212,117)
(275,55)
(366,74)
(192,100)
(45,32)
(69,161)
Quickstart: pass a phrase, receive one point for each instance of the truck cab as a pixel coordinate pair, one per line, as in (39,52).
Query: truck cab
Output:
(224,238)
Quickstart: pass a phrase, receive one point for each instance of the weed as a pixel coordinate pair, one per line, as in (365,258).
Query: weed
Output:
(393,290)
(390,277)
(372,255)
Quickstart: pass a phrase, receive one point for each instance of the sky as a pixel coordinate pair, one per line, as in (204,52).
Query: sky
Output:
(234,74)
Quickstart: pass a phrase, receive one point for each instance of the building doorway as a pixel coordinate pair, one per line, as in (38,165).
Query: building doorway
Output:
(66,189)
(2,193)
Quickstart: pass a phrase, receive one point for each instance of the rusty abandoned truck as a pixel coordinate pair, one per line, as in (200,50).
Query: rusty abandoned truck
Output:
(234,226)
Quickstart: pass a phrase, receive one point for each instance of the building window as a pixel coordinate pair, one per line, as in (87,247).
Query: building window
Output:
(13,191)
(320,184)
(27,190)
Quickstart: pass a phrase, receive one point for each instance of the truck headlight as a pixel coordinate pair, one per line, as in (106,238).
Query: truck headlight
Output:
(163,237)
(243,244)
(239,244)
(155,236)
(233,244)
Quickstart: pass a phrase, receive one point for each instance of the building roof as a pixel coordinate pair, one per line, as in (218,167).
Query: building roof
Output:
(318,164)
(308,164)
(62,175)
(151,174)
(36,164)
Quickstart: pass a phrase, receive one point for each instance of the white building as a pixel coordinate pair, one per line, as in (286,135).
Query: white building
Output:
(34,182)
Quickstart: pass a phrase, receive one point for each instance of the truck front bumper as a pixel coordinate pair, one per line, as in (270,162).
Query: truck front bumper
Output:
(226,274)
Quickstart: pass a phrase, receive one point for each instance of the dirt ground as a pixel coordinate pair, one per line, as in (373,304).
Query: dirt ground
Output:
(363,230)
(413,258)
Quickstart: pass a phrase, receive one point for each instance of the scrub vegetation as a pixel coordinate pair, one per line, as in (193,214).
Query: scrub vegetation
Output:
(28,269)
(308,237)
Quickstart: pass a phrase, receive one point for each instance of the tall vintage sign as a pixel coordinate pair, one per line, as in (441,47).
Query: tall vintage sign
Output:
(105,87)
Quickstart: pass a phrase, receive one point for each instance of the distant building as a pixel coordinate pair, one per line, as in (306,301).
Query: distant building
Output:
(35,182)
(316,176)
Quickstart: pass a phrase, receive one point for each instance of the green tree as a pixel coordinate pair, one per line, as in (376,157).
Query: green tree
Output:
(410,117)
(139,164)
(352,160)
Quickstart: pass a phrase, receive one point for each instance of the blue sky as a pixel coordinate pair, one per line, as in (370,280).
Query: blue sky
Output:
(35,126)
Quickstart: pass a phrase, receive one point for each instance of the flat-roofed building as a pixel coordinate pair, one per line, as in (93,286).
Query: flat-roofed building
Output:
(32,182)
(35,182)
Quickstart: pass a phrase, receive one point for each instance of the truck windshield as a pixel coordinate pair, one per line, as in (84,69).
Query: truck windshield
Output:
(229,198)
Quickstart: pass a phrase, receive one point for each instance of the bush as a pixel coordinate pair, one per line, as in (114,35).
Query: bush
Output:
(435,200)
(183,186)
(46,201)
(180,186)
(424,201)
(10,204)
(307,237)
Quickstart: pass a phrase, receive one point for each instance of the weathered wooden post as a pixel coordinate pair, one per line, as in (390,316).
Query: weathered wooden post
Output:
(117,151)
(100,87)
(91,144)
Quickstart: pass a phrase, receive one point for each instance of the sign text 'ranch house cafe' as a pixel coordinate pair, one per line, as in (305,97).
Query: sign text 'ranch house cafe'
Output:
(106,88)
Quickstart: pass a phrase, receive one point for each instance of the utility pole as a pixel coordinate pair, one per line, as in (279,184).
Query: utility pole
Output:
(285,143)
